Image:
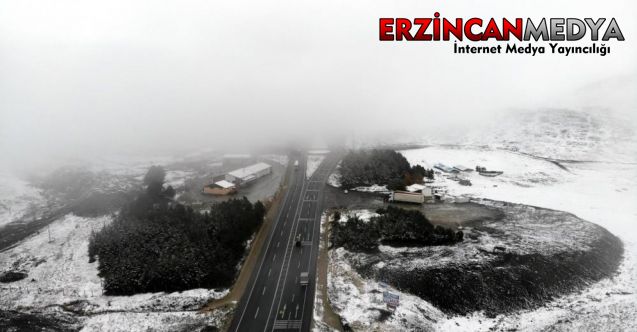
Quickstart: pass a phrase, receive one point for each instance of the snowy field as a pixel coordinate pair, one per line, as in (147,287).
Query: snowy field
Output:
(59,274)
(603,193)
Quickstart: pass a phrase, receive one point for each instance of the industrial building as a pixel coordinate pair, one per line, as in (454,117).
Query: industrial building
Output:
(248,174)
(445,168)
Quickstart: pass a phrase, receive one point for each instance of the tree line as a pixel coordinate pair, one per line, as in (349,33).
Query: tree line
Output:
(155,244)
(394,226)
(380,166)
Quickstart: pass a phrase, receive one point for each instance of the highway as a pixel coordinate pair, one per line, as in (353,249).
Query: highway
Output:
(274,299)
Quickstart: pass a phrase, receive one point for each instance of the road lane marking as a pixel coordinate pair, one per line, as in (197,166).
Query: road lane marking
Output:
(293,299)
(269,271)
(263,290)
(257,313)
(288,194)
(273,258)
(277,243)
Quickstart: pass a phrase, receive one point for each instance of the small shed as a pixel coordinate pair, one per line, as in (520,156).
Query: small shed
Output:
(222,187)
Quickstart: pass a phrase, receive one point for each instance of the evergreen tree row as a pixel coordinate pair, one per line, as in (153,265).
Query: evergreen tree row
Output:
(380,166)
(155,244)
(394,226)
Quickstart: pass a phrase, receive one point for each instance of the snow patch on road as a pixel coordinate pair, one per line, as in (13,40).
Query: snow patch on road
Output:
(313,162)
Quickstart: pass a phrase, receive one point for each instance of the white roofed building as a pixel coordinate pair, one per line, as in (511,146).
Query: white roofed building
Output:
(248,174)
(222,187)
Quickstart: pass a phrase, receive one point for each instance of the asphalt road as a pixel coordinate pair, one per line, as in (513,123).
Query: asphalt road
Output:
(275,299)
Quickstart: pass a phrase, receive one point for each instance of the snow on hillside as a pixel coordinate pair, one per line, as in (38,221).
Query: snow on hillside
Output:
(17,198)
(56,260)
(598,135)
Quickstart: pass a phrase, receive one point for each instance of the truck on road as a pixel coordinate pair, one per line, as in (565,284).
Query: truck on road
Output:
(304,279)
(296,165)
(406,197)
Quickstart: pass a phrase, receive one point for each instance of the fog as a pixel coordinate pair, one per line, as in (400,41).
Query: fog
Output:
(149,77)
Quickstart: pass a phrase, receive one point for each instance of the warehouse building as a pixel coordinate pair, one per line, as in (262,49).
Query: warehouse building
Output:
(248,174)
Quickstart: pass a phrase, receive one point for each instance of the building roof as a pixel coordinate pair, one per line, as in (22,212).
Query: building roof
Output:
(248,172)
(224,184)
(415,187)
(463,168)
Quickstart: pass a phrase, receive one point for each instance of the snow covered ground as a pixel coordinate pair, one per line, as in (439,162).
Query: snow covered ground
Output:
(313,162)
(599,185)
(56,260)
(17,198)
(604,193)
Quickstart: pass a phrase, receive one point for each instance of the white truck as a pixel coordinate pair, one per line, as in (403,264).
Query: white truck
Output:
(406,197)
(304,279)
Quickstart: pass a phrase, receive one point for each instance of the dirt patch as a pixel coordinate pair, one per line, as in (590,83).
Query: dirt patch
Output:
(459,214)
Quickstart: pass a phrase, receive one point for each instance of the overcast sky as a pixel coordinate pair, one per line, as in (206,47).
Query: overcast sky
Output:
(137,76)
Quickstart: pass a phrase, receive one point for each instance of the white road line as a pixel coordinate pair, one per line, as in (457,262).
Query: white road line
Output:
(269,271)
(293,298)
(274,258)
(256,313)
(263,290)
(277,243)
